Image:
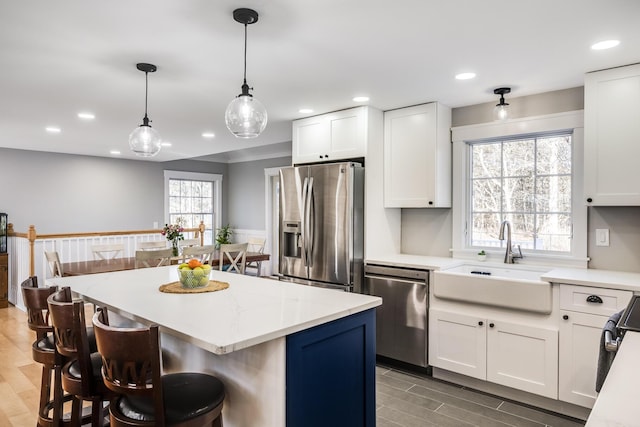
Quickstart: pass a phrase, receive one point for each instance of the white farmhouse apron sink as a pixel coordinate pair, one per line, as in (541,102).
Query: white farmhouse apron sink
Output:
(505,287)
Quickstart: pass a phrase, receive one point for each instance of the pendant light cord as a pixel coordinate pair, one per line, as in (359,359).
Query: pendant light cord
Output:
(146,92)
(245,53)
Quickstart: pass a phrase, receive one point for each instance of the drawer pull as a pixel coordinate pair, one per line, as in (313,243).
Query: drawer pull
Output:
(594,299)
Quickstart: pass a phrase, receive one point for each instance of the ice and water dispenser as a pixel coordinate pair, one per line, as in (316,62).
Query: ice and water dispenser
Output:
(292,239)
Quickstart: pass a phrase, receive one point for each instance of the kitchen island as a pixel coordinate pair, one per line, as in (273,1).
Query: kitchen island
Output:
(288,354)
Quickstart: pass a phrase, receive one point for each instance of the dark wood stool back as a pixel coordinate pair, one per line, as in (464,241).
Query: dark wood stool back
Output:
(43,351)
(132,368)
(81,374)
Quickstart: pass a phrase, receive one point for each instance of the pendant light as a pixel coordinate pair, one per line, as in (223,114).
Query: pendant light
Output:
(245,117)
(501,112)
(145,140)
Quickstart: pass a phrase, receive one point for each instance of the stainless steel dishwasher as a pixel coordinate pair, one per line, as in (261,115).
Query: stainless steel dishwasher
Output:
(401,320)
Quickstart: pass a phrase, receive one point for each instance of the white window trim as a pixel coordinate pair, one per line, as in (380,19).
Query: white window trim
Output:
(572,120)
(197,176)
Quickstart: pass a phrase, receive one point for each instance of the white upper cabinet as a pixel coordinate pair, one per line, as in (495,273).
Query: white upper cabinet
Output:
(333,136)
(417,157)
(612,137)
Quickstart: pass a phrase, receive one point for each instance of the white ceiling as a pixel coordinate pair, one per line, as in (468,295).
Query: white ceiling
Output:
(58,58)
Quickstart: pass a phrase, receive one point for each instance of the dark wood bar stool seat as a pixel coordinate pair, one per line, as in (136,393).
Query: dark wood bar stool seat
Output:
(44,351)
(132,368)
(81,376)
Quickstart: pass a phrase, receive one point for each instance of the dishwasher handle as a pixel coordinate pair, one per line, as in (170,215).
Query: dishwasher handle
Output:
(396,279)
(382,271)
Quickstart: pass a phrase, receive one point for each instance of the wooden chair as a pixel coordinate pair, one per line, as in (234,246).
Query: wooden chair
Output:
(234,256)
(107,251)
(81,374)
(153,258)
(150,246)
(43,351)
(132,370)
(54,263)
(204,253)
(255,244)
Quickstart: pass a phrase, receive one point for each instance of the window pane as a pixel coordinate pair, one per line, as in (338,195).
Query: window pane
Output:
(486,195)
(554,232)
(518,158)
(518,194)
(553,194)
(485,229)
(554,155)
(486,160)
(522,231)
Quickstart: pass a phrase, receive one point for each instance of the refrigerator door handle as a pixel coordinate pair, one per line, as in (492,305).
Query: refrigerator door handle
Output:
(310,222)
(303,226)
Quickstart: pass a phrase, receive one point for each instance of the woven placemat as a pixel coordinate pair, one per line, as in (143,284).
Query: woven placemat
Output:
(176,288)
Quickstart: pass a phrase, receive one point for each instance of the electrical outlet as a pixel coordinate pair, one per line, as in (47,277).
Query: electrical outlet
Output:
(602,237)
(155,225)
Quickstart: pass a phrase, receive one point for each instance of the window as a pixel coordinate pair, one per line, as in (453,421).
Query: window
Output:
(193,197)
(527,171)
(526,181)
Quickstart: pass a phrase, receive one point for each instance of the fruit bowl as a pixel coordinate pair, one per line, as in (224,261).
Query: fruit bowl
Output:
(197,277)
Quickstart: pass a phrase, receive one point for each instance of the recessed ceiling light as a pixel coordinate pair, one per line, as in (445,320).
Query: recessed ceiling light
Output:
(605,44)
(465,76)
(360,99)
(305,110)
(208,135)
(165,144)
(115,152)
(86,116)
(53,129)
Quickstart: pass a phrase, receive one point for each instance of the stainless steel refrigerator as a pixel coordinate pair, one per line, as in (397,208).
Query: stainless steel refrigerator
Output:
(321,225)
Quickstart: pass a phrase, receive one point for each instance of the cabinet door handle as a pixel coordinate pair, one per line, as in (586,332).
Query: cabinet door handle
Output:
(589,199)
(595,299)
(491,325)
(565,317)
(480,323)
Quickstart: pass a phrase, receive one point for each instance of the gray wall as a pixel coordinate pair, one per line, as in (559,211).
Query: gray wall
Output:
(246,184)
(428,231)
(60,193)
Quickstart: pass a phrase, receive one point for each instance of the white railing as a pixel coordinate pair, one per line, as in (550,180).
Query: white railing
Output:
(26,251)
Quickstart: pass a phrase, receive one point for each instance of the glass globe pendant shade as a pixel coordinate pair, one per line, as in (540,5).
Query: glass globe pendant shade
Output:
(145,141)
(501,112)
(246,117)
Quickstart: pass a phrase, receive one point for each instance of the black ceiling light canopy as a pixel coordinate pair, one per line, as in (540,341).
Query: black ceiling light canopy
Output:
(144,140)
(501,111)
(245,117)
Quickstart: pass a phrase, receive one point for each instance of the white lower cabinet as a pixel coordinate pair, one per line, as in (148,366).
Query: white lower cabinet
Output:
(521,356)
(458,343)
(584,312)
(580,337)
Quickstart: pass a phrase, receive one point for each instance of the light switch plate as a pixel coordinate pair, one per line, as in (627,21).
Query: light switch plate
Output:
(602,237)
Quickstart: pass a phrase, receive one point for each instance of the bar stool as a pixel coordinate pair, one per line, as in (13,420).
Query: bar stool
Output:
(81,373)
(44,351)
(132,368)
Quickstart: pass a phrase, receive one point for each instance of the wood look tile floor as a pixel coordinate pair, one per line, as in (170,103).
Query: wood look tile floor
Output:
(402,399)
(408,400)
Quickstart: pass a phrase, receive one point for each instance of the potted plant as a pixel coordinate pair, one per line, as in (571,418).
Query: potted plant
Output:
(223,236)
(482,256)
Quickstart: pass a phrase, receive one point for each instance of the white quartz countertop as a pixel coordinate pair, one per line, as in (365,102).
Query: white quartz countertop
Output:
(415,261)
(596,278)
(251,311)
(617,403)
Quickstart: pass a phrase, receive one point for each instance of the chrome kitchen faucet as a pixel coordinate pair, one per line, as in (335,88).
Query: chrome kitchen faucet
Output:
(509,255)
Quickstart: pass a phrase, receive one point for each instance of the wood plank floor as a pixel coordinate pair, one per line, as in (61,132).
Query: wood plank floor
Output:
(402,399)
